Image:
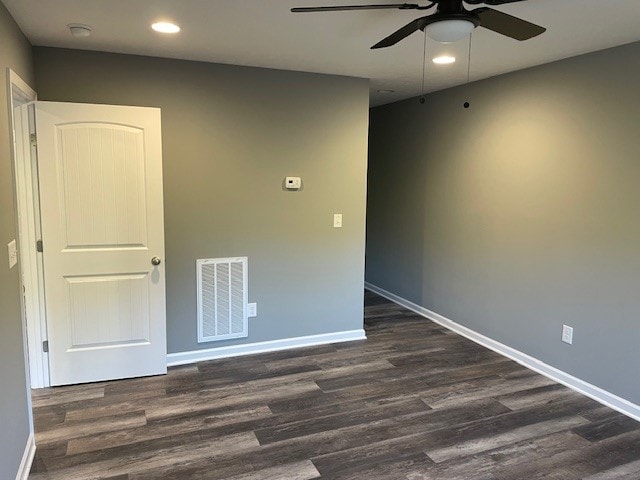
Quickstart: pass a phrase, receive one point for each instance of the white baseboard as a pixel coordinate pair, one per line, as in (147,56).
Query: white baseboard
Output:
(27,458)
(606,398)
(183,358)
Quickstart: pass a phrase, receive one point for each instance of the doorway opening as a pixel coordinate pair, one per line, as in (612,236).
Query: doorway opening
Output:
(91,236)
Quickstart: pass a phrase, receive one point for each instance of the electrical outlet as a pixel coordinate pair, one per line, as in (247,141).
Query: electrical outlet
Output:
(337,220)
(567,334)
(252,310)
(13,253)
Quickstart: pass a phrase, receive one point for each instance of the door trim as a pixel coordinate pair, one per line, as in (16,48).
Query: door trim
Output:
(27,209)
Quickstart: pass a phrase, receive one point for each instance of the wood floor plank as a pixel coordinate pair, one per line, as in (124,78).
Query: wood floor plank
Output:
(202,401)
(47,418)
(461,374)
(304,470)
(488,464)
(400,466)
(547,393)
(70,430)
(627,471)
(53,396)
(155,430)
(110,405)
(129,464)
(576,464)
(483,388)
(318,424)
(490,442)
(607,428)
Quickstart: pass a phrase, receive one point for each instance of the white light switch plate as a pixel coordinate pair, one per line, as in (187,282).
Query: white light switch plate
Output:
(337,220)
(252,310)
(567,334)
(13,253)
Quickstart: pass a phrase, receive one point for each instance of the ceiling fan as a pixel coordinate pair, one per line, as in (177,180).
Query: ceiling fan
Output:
(450,22)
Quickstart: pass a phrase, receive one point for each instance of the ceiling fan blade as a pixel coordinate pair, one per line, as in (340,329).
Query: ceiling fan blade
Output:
(508,25)
(404,32)
(399,6)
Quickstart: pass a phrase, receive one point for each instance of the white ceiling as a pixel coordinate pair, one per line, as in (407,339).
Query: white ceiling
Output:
(264,33)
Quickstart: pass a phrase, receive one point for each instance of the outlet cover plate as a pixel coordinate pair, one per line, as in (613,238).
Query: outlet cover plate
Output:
(252,310)
(567,334)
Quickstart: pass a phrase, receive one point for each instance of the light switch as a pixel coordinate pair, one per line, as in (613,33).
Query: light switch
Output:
(252,310)
(337,220)
(13,253)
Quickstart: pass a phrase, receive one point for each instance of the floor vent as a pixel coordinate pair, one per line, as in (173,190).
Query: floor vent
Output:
(222,298)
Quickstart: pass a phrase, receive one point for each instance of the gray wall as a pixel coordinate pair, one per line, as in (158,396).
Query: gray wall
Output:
(15,53)
(230,136)
(520,213)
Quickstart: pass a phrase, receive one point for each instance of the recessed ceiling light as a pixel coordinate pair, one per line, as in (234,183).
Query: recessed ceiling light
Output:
(444,60)
(386,91)
(165,27)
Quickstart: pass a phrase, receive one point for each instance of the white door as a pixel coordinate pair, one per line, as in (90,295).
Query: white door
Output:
(100,176)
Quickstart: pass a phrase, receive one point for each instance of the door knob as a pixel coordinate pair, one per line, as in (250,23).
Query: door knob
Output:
(155,261)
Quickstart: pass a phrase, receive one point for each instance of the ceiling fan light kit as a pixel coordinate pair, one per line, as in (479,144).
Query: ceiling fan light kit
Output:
(449,31)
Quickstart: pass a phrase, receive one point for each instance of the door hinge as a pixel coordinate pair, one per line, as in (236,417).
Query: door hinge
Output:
(39,246)
(45,346)
(33,139)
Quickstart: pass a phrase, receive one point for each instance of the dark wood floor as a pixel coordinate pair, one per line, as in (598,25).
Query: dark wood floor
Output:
(414,402)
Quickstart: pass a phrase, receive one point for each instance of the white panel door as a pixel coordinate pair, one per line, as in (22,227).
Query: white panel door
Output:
(100,172)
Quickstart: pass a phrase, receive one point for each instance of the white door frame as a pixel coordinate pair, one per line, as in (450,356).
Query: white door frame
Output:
(28,213)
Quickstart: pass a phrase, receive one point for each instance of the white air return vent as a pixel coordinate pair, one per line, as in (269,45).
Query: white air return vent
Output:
(222,298)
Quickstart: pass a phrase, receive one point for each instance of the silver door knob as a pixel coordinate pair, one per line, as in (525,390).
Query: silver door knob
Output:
(155,261)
